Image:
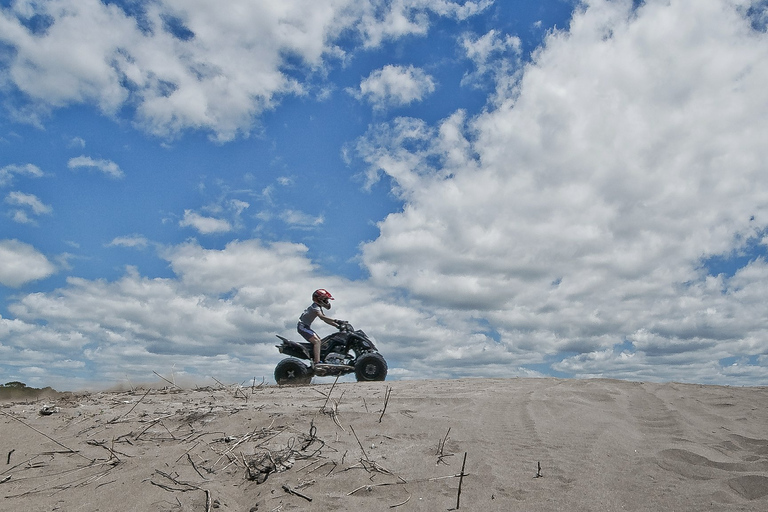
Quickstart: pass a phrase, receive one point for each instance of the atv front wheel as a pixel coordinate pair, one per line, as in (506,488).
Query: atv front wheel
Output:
(292,371)
(371,366)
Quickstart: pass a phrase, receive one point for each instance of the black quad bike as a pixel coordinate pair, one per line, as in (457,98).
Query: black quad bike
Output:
(341,353)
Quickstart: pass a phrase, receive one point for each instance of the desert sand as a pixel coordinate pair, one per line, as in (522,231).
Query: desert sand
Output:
(523,444)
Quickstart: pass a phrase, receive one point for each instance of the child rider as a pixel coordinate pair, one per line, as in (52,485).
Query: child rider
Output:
(320,299)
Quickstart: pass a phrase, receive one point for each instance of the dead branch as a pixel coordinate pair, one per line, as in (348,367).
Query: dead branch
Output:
(103,444)
(208,500)
(254,387)
(194,466)
(461,479)
(238,390)
(132,408)
(296,493)
(441,448)
(154,422)
(403,503)
(70,450)
(361,444)
(329,393)
(166,380)
(386,401)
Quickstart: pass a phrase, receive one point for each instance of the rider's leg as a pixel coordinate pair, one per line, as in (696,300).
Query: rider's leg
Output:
(316,342)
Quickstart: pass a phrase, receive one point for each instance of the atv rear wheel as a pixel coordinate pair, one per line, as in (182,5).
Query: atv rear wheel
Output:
(292,371)
(371,366)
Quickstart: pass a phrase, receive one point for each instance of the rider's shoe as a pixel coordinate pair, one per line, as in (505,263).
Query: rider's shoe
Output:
(318,369)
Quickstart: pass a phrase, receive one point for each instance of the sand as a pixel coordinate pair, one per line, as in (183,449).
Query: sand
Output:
(530,445)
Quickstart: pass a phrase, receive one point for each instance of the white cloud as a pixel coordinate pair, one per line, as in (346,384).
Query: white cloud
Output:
(107,167)
(134,241)
(394,86)
(573,216)
(21,263)
(8,172)
(299,219)
(578,211)
(205,225)
(30,201)
(77,142)
(494,56)
(29,204)
(216,70)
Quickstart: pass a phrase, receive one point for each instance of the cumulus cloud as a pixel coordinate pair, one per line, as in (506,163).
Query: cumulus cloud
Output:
(576,215)
(183,65)
(21,263)
(395,86)
(107,167)
(581,209)
(495,56)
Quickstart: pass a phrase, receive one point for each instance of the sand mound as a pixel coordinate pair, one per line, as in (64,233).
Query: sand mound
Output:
(530,444)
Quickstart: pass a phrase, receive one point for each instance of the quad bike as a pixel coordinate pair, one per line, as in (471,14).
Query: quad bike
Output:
(341,353)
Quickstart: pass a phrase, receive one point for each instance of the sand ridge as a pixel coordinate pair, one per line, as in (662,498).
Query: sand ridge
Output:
(530,444)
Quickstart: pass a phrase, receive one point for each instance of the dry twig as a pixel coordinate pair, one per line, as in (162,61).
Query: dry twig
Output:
(296,493)
(361,444)
(69,450)
(461,479)
(166,380)
(132,408)
(386,401)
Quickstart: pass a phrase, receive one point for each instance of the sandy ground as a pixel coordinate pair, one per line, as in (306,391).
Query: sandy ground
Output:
(530,445)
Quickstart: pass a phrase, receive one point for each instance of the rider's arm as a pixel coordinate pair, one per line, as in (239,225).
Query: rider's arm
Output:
(327,319)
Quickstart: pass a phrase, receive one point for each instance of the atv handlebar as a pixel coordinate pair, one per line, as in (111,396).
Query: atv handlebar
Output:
(344,326)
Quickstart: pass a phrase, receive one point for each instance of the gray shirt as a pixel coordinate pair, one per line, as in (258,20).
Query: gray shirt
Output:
(309,314)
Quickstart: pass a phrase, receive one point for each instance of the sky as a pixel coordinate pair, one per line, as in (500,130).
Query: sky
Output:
(559,188)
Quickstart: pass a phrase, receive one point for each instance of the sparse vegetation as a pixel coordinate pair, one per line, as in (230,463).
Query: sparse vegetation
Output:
(18,390)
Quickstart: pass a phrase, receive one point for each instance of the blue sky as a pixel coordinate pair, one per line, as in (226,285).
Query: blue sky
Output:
(490,189)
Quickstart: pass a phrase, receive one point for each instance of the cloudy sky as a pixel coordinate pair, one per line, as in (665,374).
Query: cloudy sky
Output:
(488,188)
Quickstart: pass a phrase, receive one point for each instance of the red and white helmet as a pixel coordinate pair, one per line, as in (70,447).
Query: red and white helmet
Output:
(322,297)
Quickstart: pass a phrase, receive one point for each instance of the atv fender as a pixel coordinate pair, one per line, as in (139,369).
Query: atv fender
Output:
(291,348)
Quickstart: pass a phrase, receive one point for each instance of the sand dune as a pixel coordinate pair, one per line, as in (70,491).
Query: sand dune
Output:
(530,445)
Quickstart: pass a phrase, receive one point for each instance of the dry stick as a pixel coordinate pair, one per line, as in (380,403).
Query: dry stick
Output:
(361,444)
(70,450)
(132,408)
(441,444)
(400,504)
(154,422)
(9,456)
(329,393)
(254,387)
(195,467)
(208,500)
(295,492)
(166,380)
(386,401)
(461,479)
